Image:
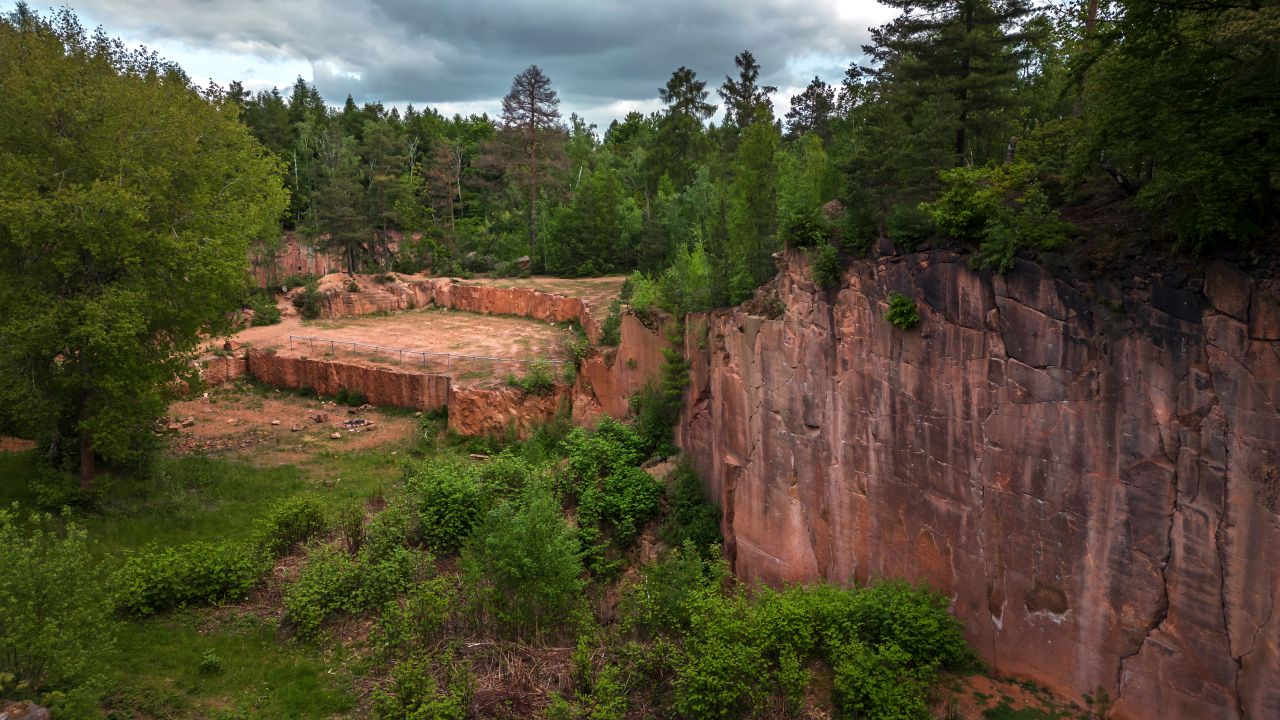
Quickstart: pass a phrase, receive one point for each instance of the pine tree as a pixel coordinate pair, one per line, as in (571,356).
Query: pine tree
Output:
(531,111)
(746,101)
(811,111)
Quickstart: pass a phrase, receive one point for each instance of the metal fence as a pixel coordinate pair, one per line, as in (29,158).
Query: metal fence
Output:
(432,361)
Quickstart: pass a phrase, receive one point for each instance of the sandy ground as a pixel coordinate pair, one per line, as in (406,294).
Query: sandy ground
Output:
(430,330)
(278,427)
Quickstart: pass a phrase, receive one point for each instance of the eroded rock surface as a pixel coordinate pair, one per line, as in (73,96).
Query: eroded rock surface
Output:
(504,411)
(1092,475)
(381,386)
(609,377)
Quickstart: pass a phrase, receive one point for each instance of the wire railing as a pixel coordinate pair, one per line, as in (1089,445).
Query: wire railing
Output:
(433,361)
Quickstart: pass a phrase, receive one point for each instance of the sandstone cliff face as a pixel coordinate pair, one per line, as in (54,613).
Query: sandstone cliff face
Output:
(504,411)
(607,379)
(407,292)
(381,386)
(1092,476)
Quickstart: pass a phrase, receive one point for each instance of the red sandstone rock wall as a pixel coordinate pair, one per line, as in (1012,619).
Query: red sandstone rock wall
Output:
(382,386)
(216,370)
(607,380)
(504,411)
(1095,481)
(293,258)
(408,292)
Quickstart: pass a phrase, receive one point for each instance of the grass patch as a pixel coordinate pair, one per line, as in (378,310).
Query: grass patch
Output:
(163,670)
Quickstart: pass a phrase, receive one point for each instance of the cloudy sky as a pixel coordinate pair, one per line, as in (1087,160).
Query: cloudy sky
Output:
(604,57)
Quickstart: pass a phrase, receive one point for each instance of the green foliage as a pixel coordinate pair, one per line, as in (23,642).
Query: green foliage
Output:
(332,581)
(111,276)
(415,620)
(611,328)
(686,285)
(523,563)
(879,684)
(827,267)
(662,601)
(310,301)
(643,294)
(902,312)
(719,675)
(450,498)
(265,310)
(210,663)
(908,225)
(539,378)
(350,398)
(419,695)
(1003,209)
(57,630)
(690,518)
(657,407)
(290,523)
(154,580)
(630,498)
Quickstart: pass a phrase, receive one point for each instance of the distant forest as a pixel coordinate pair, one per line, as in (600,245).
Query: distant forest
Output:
(1004,126)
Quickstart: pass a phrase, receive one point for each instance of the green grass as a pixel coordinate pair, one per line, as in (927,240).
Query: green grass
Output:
(157,673)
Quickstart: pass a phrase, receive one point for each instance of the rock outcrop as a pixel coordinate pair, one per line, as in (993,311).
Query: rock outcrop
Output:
(504,411)
(608,378)
(1092,474)
(381,386)
(393,292)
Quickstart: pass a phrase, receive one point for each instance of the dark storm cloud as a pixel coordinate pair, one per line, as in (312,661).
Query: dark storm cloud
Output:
(596,51)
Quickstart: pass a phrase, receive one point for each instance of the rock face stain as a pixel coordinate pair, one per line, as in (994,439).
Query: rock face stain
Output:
(1089,474)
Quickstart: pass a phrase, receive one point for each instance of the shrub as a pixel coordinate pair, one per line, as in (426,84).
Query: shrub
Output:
(353,286)
(690,518)
(631,498)
(902,311)
(265,310)
(450,499)
(505,473)
(349,519)
(524,564)
(642,294)
(57,628)
(908,225)
(417,619)
(1003,209)
(292,281)
(210,663)
(350,398)
(333,582)
(878,684)
(826,266)
(719,675)
(290,523)
(538,378)
(662,600)
(309,302)
(656,407)
(611,328)
(154,580)
(418,694)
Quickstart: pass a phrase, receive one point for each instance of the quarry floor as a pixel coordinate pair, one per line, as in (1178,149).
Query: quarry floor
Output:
(429,330)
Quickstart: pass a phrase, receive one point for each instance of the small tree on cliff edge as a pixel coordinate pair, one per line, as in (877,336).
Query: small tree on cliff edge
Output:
(128,200)
(531,117)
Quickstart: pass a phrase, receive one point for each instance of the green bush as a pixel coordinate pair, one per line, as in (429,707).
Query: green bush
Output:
(908,225)
(611,328)
(292,281)
(690,518)
(350,398)
(333,582)
(505,473)
(309,302)
(450,499)
(1002,208)
(884,683)
(290,523)
(902,312)
(417,619)
(642,294)
(523,563)
(662,600)
(210,663)
(419,695)
(538,378)
(265,310)
(720,672)
(827,267)
(631,499)
(56,629)
(154,580)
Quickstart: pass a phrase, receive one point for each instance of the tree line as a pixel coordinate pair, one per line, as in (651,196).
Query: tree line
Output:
(971,120)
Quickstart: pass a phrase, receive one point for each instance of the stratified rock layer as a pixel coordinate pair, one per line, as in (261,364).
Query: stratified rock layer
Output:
(504,411)
(1092,477)
(381,386)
